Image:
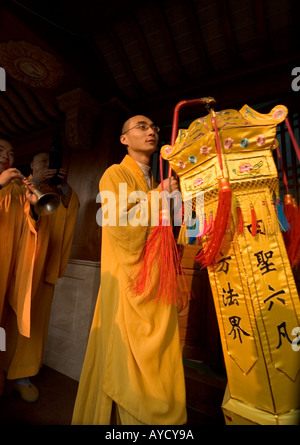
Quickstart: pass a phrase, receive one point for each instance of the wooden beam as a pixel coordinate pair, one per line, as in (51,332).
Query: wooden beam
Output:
(261,25)
(226,23)
(157,9)
(194,25)
(147,56)
(117,44)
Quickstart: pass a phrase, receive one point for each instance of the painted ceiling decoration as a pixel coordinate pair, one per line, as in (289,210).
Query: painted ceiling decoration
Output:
(30,64)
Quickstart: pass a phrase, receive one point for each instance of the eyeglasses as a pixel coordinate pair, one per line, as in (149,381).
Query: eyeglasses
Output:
(144,127)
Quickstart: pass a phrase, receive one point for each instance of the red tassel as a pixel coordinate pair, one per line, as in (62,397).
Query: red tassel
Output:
(206,227)
(289,208)
(161,249)
(240,222)
(295,246)
(209,227)
(290,214)
(203,231)
(292,238)
(253,221)
(208,254)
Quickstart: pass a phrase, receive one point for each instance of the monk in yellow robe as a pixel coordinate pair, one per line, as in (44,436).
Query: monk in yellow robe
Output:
(133,371)
(27,322)
(16,221)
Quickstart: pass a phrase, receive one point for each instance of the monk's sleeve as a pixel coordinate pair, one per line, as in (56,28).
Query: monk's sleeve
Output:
(127,214)
(20,289)
(62,228)
(69,229)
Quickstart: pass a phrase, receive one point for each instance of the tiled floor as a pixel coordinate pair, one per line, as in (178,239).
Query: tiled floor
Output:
(57,395)
(54,407)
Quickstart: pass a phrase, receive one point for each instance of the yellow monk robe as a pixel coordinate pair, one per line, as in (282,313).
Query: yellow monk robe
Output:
(133,356)
(15,222)
(27,330)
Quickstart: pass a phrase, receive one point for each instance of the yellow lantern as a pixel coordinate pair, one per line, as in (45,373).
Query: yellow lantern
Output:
(254,291)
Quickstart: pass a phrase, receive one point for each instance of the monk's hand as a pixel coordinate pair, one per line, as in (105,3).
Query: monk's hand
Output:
(64,186)
(8,175)
(47,174)
(62,174)
(30,187)
(170,185)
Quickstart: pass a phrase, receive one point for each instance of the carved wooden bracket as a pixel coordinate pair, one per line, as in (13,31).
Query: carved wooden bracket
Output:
(80,109)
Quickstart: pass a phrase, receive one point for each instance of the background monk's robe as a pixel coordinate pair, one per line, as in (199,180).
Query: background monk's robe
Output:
(15,222)
(133,356)
(27,325)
